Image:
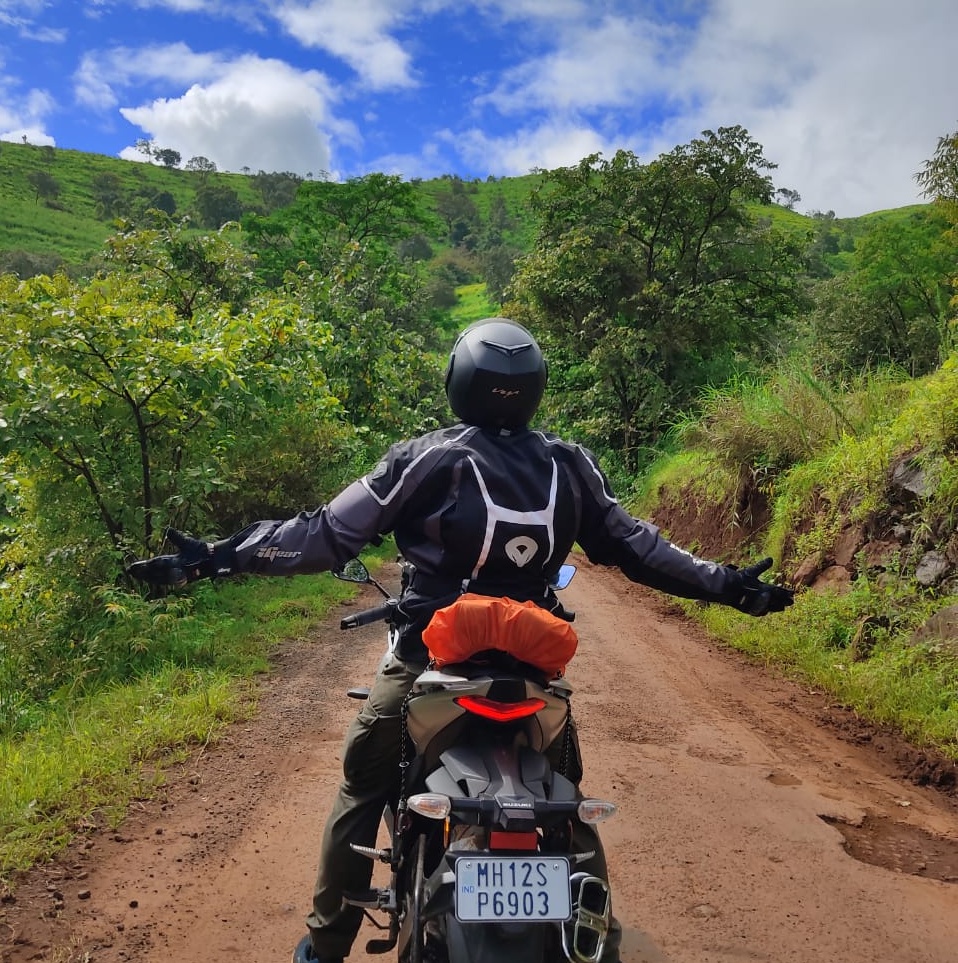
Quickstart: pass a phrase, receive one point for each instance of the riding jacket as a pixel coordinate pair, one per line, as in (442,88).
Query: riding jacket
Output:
(489,511)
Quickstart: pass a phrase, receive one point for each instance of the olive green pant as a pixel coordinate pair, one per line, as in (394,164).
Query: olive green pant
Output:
(370,778)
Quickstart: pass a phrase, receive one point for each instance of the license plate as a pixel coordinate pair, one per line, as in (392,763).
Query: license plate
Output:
(508,888)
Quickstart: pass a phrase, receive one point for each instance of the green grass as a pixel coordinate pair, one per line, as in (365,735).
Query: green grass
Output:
(474,304)
(91,756)
(826,457)
(910,687)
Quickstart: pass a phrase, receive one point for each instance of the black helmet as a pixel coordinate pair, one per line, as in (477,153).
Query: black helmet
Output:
(496,375)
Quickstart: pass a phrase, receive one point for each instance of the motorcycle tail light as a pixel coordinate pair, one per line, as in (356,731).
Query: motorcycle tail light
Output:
(432,805)
(595,810)
(500,711)
(500,839)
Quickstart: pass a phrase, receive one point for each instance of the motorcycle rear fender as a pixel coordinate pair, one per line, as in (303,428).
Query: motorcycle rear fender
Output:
(432,708)
(500,942)
(485,942)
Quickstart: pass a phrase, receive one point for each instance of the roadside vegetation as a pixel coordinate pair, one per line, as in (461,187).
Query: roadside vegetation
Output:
(181,347)
(91,749)
(853,493)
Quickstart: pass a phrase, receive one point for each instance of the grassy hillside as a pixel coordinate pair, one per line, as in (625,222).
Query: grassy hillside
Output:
(69,226)
(72,227)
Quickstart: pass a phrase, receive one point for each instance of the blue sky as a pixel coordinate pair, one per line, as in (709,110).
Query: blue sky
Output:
(847,97)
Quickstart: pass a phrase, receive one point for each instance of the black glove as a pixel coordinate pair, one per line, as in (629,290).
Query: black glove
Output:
(195,560)
(754,597)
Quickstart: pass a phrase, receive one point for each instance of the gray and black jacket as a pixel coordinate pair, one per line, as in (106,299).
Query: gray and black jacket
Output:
(485,511)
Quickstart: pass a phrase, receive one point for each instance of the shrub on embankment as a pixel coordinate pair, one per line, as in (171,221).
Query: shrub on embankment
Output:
(854,493)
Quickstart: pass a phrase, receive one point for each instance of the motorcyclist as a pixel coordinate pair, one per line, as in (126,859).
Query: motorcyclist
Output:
(488,506)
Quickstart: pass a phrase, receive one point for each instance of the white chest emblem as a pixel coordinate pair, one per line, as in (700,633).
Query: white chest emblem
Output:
(521,550)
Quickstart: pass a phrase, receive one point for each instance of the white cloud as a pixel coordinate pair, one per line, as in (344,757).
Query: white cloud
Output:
(102,74)
(612,63)
(428,163)
(547,12)
(16,12)
(245,11)
(28,135)
(24,114)
(356,31)
(551,144)
(260,114)
(848,97)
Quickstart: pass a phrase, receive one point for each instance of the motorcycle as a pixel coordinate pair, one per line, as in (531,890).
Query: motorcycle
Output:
(481,855)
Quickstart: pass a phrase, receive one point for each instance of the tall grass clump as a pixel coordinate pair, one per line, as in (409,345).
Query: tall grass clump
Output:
(829,457)
(791,416)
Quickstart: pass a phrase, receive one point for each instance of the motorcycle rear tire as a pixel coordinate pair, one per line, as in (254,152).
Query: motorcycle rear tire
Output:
(415,897)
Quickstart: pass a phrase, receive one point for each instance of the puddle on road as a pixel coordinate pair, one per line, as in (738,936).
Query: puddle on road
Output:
(883,842)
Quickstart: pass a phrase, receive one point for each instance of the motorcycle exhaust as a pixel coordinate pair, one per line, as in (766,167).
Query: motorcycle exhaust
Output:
(583,936)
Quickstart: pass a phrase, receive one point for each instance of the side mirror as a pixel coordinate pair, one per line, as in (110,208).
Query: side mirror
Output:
(563,577)
(352,571)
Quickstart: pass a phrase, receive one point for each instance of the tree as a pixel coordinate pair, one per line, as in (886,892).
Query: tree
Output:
(185,271)
(201,165)
(27,264)
(376,212)
(416,247)
(649,281)
(45,185)
(378,207)
(905,268)
(789,198)
(498,266)
(163,201)
(168,157)
(217,204)
(136,400)
(499,220)
(938,178)
(458,210)
(108,195)
(277,189)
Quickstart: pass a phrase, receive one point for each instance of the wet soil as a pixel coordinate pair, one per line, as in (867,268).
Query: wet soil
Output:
(757,822)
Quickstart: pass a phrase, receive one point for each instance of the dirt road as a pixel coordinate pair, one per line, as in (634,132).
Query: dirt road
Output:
(748,830)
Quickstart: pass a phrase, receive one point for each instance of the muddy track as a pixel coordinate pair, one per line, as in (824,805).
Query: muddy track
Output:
(757,822)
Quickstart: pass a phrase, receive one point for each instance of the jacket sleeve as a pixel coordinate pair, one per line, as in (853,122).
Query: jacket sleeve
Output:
(319,540)
(611,536)
(313,541)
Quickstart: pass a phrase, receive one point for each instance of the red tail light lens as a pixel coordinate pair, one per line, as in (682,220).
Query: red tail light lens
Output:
(500,839)
(500,711)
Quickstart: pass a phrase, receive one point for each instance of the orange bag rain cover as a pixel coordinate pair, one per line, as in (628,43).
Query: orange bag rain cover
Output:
(523,629)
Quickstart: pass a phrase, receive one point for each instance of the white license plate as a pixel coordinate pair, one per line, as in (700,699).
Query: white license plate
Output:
(508,888)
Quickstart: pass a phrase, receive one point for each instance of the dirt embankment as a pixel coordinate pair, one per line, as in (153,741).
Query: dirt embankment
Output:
(756,821)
